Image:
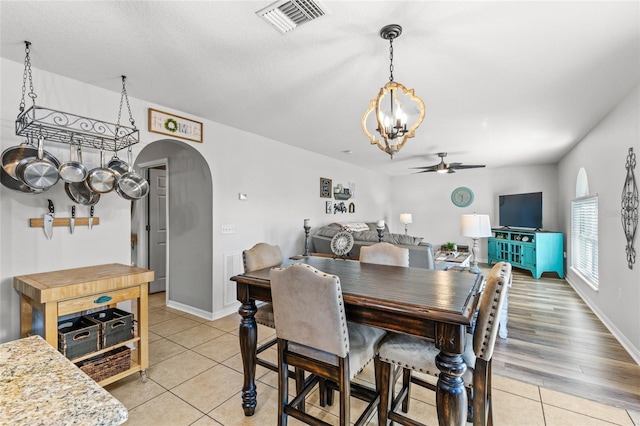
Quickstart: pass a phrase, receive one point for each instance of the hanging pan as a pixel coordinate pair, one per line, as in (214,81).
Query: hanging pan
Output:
(131,185)
(39,173)
(118,166)
(73,170)
(81,194)
(10,159)
(101,179)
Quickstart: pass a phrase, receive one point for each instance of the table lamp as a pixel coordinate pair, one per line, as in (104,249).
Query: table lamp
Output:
(475,226)
(406,219)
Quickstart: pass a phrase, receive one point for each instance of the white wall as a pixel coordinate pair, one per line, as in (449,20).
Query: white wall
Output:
(281,182)
(427,196)
(603,154)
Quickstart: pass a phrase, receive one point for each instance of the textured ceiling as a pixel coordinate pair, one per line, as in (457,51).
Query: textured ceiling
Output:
(504,83)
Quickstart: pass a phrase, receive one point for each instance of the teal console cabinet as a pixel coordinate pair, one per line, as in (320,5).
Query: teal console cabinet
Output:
(535,251)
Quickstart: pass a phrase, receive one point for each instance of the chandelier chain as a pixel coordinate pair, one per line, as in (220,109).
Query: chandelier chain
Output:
(391,59)
(27,74)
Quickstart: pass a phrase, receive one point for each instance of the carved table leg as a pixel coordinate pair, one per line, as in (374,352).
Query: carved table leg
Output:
(451,397)
(248,341)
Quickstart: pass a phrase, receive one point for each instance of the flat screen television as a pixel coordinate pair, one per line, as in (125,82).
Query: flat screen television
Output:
(521,210)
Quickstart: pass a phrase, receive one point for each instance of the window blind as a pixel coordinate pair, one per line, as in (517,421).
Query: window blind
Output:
(584,237)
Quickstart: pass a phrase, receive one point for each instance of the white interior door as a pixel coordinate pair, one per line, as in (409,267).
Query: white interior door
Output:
(158,228)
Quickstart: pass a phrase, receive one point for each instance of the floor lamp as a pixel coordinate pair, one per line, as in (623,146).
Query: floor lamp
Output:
(475,226)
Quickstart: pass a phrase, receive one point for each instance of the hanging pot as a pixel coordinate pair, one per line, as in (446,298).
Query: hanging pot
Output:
(13,183)
(131,185)
(39,173)
(10,159)
(118,166)
(73,170)
(12,156)
(81,194)
(101,179)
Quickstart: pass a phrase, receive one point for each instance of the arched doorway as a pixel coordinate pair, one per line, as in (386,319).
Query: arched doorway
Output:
(189,221)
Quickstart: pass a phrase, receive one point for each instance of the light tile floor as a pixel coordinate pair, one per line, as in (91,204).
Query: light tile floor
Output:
(195,378)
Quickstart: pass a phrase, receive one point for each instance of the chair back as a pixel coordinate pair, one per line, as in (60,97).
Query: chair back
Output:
(261,256)
(308,308)
(491,301)
(385,254)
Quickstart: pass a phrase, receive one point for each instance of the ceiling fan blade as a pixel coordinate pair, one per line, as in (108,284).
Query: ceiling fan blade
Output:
(426,168)
(469,166)
(451,171)
(425,171)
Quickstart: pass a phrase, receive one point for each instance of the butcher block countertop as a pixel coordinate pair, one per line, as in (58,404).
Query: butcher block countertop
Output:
(39,386)
(69,283)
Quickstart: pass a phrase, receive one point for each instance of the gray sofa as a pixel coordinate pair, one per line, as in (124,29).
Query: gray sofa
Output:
(420,253)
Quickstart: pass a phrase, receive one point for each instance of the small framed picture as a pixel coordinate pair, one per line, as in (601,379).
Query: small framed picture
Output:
(328,207)
(325,188)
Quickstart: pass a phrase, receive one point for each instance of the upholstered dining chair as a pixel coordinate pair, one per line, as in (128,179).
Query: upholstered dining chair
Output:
(385,254)
(415,354)
(314,336)
(260,256)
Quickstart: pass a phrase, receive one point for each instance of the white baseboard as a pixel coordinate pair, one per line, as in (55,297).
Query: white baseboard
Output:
(203,314)
(626,344)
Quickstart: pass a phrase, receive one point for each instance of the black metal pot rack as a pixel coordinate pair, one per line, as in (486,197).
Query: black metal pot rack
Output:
(63,127)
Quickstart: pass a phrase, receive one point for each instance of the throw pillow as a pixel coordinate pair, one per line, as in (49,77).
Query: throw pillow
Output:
(402,239)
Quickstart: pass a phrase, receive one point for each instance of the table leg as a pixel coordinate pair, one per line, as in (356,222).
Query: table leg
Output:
(451,396)
(248,342)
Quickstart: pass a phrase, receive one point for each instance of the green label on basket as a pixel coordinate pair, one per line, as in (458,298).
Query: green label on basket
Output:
(102,299)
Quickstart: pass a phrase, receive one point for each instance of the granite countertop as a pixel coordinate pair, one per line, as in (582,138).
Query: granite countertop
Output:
(39,386)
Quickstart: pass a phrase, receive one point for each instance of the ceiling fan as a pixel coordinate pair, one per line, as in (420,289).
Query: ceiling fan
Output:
(443,167)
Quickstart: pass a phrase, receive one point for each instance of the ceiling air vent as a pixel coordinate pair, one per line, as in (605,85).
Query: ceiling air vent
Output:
(286,15)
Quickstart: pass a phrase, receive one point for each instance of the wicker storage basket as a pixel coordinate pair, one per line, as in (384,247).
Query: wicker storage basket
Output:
(108,364)
(116,326)
(78,337)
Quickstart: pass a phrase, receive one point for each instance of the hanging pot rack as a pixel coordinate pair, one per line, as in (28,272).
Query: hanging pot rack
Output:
(63,127)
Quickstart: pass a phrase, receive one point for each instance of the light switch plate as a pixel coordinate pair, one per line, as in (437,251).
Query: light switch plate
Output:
(228,229)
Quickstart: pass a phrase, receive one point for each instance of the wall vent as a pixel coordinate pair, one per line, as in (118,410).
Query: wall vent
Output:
(286,15)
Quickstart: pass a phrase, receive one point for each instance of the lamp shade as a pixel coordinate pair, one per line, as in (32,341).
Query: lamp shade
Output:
(475,226)
(406,218)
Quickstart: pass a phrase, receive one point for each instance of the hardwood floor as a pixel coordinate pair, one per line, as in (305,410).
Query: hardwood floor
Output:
(556,341)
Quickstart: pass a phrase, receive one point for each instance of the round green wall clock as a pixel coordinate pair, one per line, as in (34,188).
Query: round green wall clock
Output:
(462,196)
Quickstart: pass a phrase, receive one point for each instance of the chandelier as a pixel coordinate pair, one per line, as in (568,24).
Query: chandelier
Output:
(398,111)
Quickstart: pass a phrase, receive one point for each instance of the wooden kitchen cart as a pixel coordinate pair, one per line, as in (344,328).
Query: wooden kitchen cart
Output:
(69,291)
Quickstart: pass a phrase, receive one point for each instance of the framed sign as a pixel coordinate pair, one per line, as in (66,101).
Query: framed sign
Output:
(174,125)
(325,188)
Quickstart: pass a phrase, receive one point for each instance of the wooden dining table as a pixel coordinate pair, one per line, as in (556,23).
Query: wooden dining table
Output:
(432,304)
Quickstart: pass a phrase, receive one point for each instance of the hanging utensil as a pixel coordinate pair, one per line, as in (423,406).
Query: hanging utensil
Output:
(73,170)
(48,221)
(91,217)
(118,166)
(38,173)
(132,186)
(80,194)
(72,219)
(101,179)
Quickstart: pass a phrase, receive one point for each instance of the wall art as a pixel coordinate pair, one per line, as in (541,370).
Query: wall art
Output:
(174,125)
(328,208)
(630,208)
(325,187)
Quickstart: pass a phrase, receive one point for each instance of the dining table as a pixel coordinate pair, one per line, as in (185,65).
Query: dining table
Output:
(431,304)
